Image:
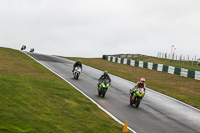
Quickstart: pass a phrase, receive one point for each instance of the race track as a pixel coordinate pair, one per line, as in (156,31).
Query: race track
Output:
(157,113)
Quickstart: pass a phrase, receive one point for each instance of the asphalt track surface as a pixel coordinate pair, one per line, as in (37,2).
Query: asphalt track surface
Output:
(157,113)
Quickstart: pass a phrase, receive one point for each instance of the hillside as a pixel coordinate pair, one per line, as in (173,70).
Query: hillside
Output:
(33,99)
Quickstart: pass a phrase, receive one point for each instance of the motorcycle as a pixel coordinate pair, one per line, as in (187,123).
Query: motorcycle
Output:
(23,47)
(103,87)
(77,72)
(136,97)
(32,50)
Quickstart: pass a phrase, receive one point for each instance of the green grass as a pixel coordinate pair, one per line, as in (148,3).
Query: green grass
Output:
(181,64)
(184,89)
(33,99)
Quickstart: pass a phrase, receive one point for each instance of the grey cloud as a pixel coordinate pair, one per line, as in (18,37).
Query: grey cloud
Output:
(97,27)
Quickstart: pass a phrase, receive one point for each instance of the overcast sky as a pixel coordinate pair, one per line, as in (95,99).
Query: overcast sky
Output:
(91,28)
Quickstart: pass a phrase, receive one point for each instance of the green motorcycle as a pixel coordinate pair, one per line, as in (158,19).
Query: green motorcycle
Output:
(137,96)
(103,87)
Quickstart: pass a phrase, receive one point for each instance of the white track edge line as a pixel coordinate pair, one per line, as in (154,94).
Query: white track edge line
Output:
(165,95)
(112,116)
(175,100)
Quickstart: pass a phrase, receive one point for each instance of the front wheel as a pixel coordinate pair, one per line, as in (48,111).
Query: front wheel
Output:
(137,102)
(99,93)
(104,92)
(103,95)
(77,75)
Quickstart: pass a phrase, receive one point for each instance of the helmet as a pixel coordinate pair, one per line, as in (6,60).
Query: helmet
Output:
(79,62)
(105,73)
(142,80)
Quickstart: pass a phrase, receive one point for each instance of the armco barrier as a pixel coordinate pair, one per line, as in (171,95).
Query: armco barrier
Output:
(154,66)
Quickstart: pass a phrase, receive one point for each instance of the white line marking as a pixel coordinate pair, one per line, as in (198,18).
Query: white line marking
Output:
(117,120)
(175,100)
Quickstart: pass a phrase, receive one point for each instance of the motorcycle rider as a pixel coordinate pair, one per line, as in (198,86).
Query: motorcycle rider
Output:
(104,76)
(140,84)
(23,47)
(77,64)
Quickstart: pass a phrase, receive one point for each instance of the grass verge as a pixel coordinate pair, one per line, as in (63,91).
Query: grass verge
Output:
(184,89)
(33,99)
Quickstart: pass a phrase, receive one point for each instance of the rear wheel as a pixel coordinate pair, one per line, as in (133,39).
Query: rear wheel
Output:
(131,101)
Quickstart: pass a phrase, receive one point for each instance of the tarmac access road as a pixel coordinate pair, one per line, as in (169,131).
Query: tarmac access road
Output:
(157,113)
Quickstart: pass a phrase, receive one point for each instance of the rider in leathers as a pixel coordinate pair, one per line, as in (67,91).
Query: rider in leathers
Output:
(104,76)
(140,84)
(77,64)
